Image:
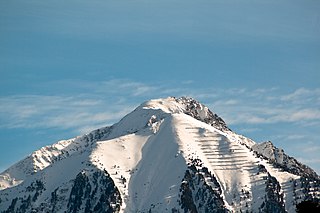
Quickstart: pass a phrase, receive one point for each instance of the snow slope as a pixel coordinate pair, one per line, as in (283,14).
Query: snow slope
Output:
(168,155)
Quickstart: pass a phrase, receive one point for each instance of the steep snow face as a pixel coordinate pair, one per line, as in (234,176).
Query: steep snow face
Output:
(168,155)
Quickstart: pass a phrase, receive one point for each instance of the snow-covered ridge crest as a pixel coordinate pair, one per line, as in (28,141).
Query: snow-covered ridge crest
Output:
(187,106)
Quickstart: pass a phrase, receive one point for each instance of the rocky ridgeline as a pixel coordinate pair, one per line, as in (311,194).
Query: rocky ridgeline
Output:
(202,113)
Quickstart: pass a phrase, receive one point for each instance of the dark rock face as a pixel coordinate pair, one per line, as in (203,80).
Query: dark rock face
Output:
(308,206)
(274,198)
(90,192)
(200,192)
(24,204)
(96,193)
(194,109)
(310,187)
(96,135)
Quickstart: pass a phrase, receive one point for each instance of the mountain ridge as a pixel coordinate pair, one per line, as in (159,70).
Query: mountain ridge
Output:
(168,155)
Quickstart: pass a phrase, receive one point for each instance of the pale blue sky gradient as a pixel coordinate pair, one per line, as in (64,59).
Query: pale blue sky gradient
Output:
(68,67)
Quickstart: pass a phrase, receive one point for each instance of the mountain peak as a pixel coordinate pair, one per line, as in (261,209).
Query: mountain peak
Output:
(189,106)
(168,155)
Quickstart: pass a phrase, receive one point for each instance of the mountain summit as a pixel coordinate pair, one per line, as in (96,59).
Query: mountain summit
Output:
(168,155)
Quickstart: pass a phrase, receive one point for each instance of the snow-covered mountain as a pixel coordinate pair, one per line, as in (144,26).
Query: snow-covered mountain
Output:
(168,155)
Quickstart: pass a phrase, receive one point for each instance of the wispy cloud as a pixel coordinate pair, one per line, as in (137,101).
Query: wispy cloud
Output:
(266,106)
(65,112)
(102,103)
(249,130)
(124,86)
(302,95)
(311,149)
(295,137)
(309,161)
(110,100)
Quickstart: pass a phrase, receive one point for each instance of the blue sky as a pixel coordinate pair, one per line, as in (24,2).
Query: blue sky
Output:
(68,67)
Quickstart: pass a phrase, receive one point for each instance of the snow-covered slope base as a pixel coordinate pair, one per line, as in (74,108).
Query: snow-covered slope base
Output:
(168,155)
